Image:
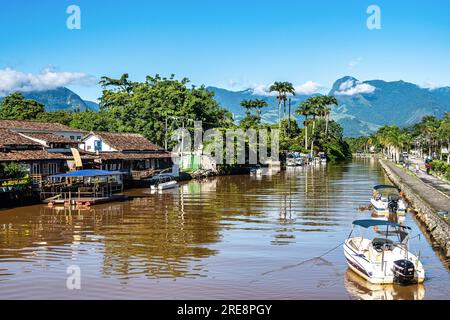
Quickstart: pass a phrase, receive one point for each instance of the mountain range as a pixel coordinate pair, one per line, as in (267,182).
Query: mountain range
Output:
(60,99)
(363,106)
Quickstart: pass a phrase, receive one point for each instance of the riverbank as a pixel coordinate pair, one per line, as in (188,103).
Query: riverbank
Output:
(426,201)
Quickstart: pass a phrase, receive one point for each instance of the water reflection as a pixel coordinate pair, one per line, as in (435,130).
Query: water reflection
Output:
(211,237)
(358,288)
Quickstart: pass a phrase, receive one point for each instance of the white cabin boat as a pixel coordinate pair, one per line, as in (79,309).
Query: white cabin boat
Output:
(164,182)
(382,260)
(256,171)
(387,199)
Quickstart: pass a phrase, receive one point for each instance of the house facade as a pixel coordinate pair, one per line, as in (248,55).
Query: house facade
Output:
(127,152)
(40,163)
(45,148)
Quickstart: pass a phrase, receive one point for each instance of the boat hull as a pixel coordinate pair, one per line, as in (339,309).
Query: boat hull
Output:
(373,272)
(165,185)
(381,207)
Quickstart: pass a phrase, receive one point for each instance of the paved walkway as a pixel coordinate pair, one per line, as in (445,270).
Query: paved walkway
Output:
(429,179)
(424,186)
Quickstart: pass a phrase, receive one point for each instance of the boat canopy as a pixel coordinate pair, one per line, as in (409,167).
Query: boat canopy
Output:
(87,173)
(367,223)
(385,186)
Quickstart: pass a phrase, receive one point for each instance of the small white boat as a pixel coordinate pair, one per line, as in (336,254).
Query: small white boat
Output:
(291,162)
(258,171)
(323,158)
(164,182)
(387,199)
(383,260)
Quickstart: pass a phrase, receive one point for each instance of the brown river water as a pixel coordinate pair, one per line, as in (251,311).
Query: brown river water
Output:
(231,237)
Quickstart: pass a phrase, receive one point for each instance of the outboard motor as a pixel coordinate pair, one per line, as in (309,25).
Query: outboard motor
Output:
(393,203)
(403,271)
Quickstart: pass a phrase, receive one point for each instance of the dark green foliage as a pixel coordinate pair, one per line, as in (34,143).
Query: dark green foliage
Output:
(13,170)
(16,107)
(144,107)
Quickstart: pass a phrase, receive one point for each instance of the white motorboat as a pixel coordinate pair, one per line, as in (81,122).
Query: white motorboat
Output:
(258,171)
(383,260)
(294,159)
(323,158)
(164,182)
(291,162)
(387,199)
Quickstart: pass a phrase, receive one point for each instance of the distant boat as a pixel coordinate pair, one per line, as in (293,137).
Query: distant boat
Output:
(256,171)
(164,182)
(323,158)
(386,199)
(382,260)
(291,162)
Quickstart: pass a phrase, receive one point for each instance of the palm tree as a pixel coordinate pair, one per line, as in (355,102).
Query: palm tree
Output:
(278,87)
(259,104)
(316,105)
(289,90)
(248,105)
(305,109)
(326,110)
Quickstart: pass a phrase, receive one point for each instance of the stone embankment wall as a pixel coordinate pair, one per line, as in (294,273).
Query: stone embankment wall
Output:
(425,211)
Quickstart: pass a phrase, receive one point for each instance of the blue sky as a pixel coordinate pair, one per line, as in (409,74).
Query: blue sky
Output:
(231,44)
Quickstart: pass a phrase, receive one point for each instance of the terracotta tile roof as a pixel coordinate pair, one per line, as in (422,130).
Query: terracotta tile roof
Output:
(128,141)
(10,138)
(36,126)
(25,155)
(50,138)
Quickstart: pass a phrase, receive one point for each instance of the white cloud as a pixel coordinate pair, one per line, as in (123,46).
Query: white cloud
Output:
(12,80)
(354,62)
(431,86)
(262,89)
(307,88)
(353,87)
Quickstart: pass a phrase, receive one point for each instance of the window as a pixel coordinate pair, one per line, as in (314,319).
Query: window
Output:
(72,137)
(79,138)
(97,145)
(52,168)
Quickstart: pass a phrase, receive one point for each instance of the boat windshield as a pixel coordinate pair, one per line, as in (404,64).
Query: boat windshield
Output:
(383,194)
(391,232)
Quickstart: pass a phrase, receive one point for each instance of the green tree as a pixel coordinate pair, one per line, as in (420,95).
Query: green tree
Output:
(305,109)
(60,116)
(146,107)
(278,87)
(16,107)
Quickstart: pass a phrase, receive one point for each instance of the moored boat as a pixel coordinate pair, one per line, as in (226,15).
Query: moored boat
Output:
(387,199)
(256,171)
(382,260)
(164,182)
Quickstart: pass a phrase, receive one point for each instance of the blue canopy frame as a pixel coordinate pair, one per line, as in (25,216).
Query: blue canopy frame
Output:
(385,186)
(367,223)
(87,173)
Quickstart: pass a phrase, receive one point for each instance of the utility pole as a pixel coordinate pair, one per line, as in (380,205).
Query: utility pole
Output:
(165,137)
(182,142)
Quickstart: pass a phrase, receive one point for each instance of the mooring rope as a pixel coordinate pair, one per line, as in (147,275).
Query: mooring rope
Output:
(302,262)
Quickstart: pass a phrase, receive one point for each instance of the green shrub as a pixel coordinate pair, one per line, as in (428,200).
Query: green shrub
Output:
(441,167)
(13,170)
